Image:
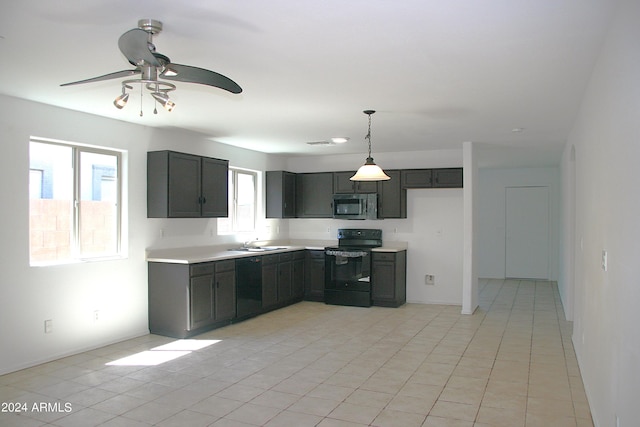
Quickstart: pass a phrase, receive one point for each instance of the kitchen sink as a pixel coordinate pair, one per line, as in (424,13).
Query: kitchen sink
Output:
(257,248)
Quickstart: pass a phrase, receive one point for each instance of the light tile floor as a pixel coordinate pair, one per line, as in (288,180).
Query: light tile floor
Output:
(510,364)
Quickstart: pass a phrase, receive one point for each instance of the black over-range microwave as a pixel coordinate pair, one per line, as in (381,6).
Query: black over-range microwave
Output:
(355,206)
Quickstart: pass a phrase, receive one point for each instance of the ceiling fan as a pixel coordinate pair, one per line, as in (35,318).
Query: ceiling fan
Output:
(137,46)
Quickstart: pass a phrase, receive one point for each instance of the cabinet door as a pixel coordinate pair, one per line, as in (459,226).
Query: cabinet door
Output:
(184,185)
(215,187)
(392,198)
(383,281)
(389,278)
(314,195)
(314,276)
(297,278)
(342,184)
(269,285)
(281,194)
(289,206)
(284,281)
(416,178)
(225,295)
(447,178)
(201,301)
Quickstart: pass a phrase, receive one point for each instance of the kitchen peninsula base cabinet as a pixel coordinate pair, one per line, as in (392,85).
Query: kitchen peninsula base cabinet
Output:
(389,278)
(188,299)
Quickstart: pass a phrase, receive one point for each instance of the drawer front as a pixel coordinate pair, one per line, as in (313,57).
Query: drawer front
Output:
(298,255)
(383,256)
(315,254)
(201,269)
(288,256)
(270,259)
(229,265)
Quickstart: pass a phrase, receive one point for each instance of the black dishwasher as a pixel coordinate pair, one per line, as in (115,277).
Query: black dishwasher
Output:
(248,287)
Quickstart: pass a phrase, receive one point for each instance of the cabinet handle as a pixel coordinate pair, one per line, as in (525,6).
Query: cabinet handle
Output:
(204,200)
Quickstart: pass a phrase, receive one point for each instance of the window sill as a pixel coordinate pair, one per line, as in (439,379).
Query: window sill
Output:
(77,261)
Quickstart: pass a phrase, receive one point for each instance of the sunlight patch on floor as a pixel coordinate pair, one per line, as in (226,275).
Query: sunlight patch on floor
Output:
(163,353)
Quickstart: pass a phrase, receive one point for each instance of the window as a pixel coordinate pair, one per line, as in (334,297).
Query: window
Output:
(242,202)
(74,202)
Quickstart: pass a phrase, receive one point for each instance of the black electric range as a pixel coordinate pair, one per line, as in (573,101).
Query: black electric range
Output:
(348,267)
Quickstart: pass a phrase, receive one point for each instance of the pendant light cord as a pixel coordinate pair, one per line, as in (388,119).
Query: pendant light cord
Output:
(368,137)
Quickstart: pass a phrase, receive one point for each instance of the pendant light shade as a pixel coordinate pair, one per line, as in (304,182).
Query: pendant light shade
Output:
(370,171)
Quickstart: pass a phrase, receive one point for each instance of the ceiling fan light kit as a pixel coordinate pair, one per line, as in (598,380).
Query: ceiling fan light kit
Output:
(137,46)
(369,171)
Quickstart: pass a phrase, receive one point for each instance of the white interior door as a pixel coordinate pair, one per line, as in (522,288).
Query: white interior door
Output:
(527,232)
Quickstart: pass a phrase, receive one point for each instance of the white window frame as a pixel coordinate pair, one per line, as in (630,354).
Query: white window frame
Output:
(77,150)
(230,225)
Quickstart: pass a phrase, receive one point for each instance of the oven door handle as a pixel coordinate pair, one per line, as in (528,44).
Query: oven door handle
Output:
(346,254)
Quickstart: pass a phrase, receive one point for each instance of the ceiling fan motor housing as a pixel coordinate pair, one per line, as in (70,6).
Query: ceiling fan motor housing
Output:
(150,25)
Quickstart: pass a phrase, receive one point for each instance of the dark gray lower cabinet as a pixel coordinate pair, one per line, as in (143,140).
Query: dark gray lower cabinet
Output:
(282,279)
(269,281)
(185,300)
(314,275)
(297,275)
(389,278)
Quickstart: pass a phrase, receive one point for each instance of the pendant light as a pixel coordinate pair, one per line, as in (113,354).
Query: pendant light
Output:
(369,171)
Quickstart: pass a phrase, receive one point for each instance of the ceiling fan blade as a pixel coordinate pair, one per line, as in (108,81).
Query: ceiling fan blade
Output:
(189,74)
(134,45)
(116,75)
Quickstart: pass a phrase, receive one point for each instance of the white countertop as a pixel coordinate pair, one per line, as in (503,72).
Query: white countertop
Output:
(196,254)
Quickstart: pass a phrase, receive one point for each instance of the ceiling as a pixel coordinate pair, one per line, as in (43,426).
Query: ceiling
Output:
(437,73)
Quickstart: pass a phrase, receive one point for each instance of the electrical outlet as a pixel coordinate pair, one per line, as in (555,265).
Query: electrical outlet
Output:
(604,261)
(429,279)
(96,315)
(48,326)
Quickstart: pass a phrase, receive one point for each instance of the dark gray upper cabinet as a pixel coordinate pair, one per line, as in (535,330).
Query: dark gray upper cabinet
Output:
(215,188)
(447,178)
(181,185)
(314,195)
(281,194)
(432,178)
(342,184)
(392,198)
(416,178)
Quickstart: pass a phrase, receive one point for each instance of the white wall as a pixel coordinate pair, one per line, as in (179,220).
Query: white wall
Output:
(606,140)
(491,215)
(68,294)
(433,228)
